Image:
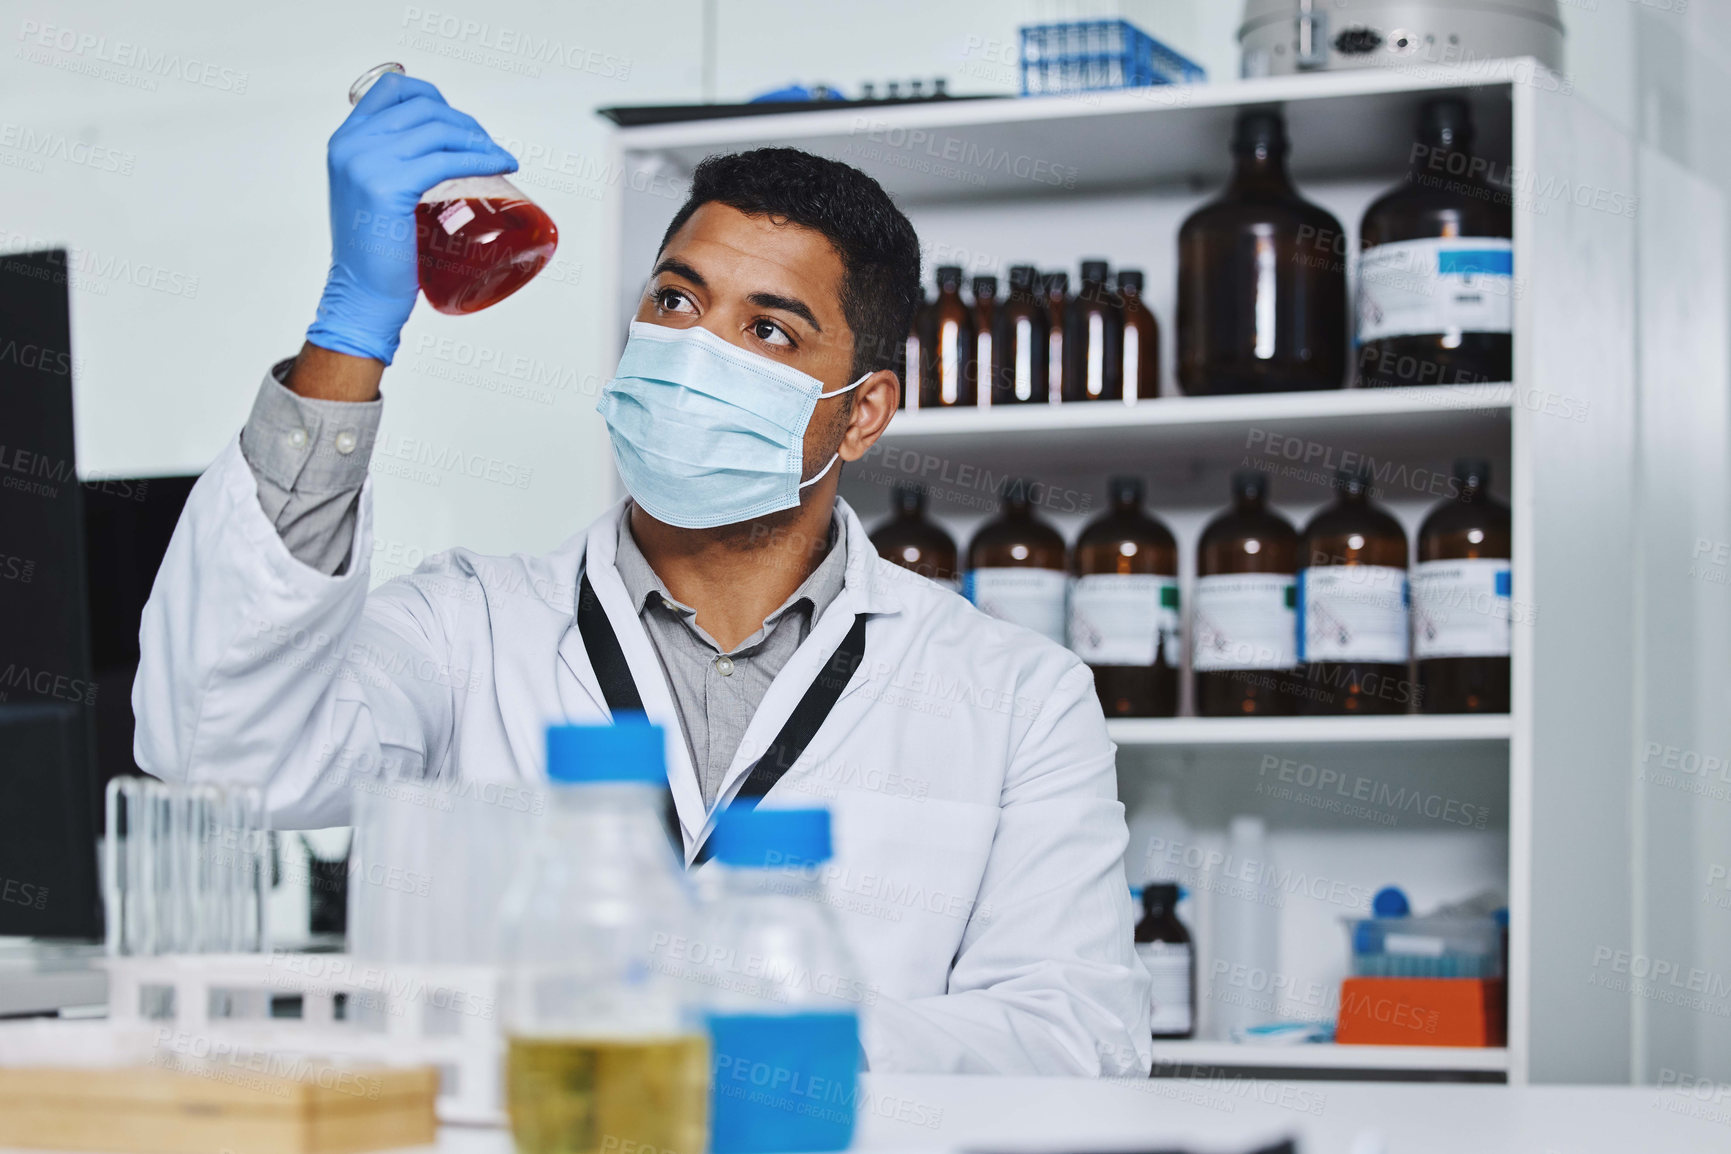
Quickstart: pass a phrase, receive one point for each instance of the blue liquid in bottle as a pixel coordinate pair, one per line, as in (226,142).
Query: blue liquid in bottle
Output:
(783,1082)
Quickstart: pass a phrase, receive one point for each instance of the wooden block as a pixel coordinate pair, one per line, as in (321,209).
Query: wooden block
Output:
(1421,1012)
(259,1104)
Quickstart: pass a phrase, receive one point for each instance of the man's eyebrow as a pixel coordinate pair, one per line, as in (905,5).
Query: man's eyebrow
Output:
(786,304)
(679,268)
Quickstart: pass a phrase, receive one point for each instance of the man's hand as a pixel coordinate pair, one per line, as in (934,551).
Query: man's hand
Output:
(400,140)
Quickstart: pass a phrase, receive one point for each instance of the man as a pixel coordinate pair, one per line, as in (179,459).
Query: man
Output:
(978,872)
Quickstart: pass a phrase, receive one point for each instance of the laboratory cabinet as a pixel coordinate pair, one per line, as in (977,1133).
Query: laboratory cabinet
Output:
(1609,445)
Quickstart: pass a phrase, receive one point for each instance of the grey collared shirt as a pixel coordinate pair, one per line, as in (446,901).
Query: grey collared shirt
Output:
(310,458)
(718,691)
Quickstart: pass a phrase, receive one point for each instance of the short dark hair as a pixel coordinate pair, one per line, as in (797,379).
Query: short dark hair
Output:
(880,254)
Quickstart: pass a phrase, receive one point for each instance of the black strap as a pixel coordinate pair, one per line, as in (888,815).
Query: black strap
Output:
(620,690)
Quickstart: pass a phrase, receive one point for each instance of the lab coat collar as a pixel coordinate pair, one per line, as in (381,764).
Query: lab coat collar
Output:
(861,593)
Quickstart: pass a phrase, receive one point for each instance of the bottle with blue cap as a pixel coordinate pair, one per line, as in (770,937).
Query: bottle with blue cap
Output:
(605,1040)
(784,1017)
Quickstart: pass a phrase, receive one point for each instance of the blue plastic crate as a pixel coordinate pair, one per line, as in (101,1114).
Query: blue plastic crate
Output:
(1091,55)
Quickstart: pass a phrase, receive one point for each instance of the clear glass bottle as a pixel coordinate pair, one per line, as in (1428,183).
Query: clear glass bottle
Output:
(785,1011)
(605,1038)
(1139,364)
(478,238)
(1353,643)
(950,380)
(1094,346)
(1124,607)
(1016,570)
(913,541)
(1020,351)
(1244,620)
(1461,599)
(1261,279)
(1436,265)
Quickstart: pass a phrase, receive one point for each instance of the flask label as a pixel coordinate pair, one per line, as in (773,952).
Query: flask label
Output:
(1125,619)
(1460,608)
(1353,613)
(1168,963)
(1244,621)
(1436,285)
(1033,598)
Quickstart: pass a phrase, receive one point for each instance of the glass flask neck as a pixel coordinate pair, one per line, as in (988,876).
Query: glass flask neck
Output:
(1261,169)
(1248,501)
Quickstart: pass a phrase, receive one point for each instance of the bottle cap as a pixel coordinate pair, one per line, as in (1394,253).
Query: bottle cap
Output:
(629,750)
(1022,276)
(1125,490)
(910,498)
(1056,282)
(757,838)
(1094,271)
(1353,481)
(1259,130)
(1160,894)
(1447,120)
(985,288)
(949,274)
(1473,470)
(1130,278)
(1250,484)
(1390,902)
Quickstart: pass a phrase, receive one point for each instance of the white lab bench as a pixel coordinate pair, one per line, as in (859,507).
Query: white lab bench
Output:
(1233,1115)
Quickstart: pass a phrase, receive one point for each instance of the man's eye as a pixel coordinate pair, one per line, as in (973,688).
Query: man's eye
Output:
(670,300)
(771,333)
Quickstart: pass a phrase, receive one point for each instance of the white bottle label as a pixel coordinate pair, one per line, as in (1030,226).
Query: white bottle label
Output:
(1460,608)
(1436,285)
(1244,621)
(1168,963)
(1125,619)
(1030,597)
(1352,613)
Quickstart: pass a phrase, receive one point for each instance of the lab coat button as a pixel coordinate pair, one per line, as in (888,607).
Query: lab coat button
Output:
(724,665)
(345,441)
(297,439)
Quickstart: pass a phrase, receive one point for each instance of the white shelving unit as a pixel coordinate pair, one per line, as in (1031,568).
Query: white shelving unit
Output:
(1548,785)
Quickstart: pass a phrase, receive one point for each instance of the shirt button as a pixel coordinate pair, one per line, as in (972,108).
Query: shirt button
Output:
(297,439)
(345,441)
(724,665)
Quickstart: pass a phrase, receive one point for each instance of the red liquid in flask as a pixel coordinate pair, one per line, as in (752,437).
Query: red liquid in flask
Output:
(475,251)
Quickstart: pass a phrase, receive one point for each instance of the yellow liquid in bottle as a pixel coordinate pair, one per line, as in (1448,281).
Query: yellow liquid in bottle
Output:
(608,1096)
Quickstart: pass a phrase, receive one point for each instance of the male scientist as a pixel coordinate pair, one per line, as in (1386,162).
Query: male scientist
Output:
(732,596)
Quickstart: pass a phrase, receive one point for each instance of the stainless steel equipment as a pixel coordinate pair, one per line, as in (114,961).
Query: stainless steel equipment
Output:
(1279,37)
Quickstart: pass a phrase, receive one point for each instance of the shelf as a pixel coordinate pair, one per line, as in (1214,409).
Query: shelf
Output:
(1383,1059)
(1302,431)
(1045,146)
(1148,732)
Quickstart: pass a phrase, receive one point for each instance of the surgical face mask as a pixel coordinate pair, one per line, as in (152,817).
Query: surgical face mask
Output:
(706,433)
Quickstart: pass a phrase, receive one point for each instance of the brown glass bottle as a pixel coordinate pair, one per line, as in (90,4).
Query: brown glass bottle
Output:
(1169,956)
(1016,565)
(1353,640)
(1019,346)
(949,379)
(1261,279)
(1461,599)
(1094,343)
(1244,621)
(1435,297)
(1124,607)
(912,541)
(1139,364)
(1056,287)
(915,357)
(985,320)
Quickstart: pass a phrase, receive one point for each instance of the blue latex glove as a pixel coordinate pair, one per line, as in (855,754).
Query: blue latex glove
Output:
(400,140)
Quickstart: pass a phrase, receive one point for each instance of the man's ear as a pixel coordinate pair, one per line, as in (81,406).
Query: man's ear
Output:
(874,404)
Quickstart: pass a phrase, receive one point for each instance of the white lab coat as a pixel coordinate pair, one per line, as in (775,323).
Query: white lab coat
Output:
(978,873)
